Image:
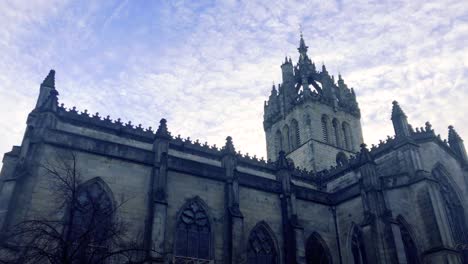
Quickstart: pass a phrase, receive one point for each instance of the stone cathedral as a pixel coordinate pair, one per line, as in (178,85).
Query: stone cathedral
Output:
(322,195)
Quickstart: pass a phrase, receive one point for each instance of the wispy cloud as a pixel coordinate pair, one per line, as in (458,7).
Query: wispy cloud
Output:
(208,66)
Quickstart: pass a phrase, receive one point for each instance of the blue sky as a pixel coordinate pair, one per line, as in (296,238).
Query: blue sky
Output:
(207,66)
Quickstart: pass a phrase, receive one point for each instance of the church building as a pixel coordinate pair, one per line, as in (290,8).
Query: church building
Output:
(321,196)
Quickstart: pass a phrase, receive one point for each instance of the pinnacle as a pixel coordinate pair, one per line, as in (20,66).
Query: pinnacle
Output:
(229,146)
(49,81)
(282,162)
(162,131)
(396,110)
(453,135)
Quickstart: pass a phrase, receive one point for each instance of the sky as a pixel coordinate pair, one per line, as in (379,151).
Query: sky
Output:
(208,66)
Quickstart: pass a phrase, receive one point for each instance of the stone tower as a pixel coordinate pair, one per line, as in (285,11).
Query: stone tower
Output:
(312,117)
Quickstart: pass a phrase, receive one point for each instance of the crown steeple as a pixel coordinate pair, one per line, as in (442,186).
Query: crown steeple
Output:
(302,47)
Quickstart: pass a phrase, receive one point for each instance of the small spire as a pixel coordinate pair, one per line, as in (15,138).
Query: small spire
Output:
(229,146)
(456,143)
(399,120)
(49,81)
(453,135)
(397,111)
(51,102)
(324,69)
(162,131)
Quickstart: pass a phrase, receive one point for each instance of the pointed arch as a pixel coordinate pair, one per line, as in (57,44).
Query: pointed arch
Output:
(337,132)
(409,244)
(308,125)
(453,206)
(317,251)
(262,246)
(357,247)
(278,143)
(286,139)
(295,134)
(193,234)
(348,138)
(325,132)
(89,223)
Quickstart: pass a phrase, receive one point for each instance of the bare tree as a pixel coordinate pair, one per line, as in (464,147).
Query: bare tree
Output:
(85,228)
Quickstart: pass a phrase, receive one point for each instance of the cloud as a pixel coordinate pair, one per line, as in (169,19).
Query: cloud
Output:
(208,66)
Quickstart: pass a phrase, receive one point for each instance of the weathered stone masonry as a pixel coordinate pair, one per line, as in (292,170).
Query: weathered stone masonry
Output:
(321,196)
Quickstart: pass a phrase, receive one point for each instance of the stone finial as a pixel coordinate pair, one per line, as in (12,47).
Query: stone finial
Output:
(282,162)
(364,155)
(428,127)
(229,147)
(49,81)
(162,131)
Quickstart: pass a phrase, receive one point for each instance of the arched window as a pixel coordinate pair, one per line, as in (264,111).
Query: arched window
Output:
(326,137)
(317,251)
(341,159)
(193,233)
(261,248)
(286,139)
(278,142)
(295,136)
(454,209)
(357,247)
(308,123)
(411,252)
(90,220)
(336,131)
(348,139)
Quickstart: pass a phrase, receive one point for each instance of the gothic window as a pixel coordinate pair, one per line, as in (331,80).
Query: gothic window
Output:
(286,139)
(91,220)
(336,131)
(411,251)
(357,247)
(261,248)
(325,128)
(308,123)
(278,142)
(454,209)
(193,234)
(341,159)
(348,140)
(295,136)
(316,250)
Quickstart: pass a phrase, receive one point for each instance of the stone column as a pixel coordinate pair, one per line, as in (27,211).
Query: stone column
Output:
(158,195)
(234,224)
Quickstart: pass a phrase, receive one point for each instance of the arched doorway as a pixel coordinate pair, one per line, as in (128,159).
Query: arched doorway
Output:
(317,251)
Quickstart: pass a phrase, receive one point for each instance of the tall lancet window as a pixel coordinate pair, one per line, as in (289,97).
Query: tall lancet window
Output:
(278,143)
(90,221)
(325,134)
(295,134)
(453,207)
(261,248)
(336,131)
(357,247)
(193,234)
